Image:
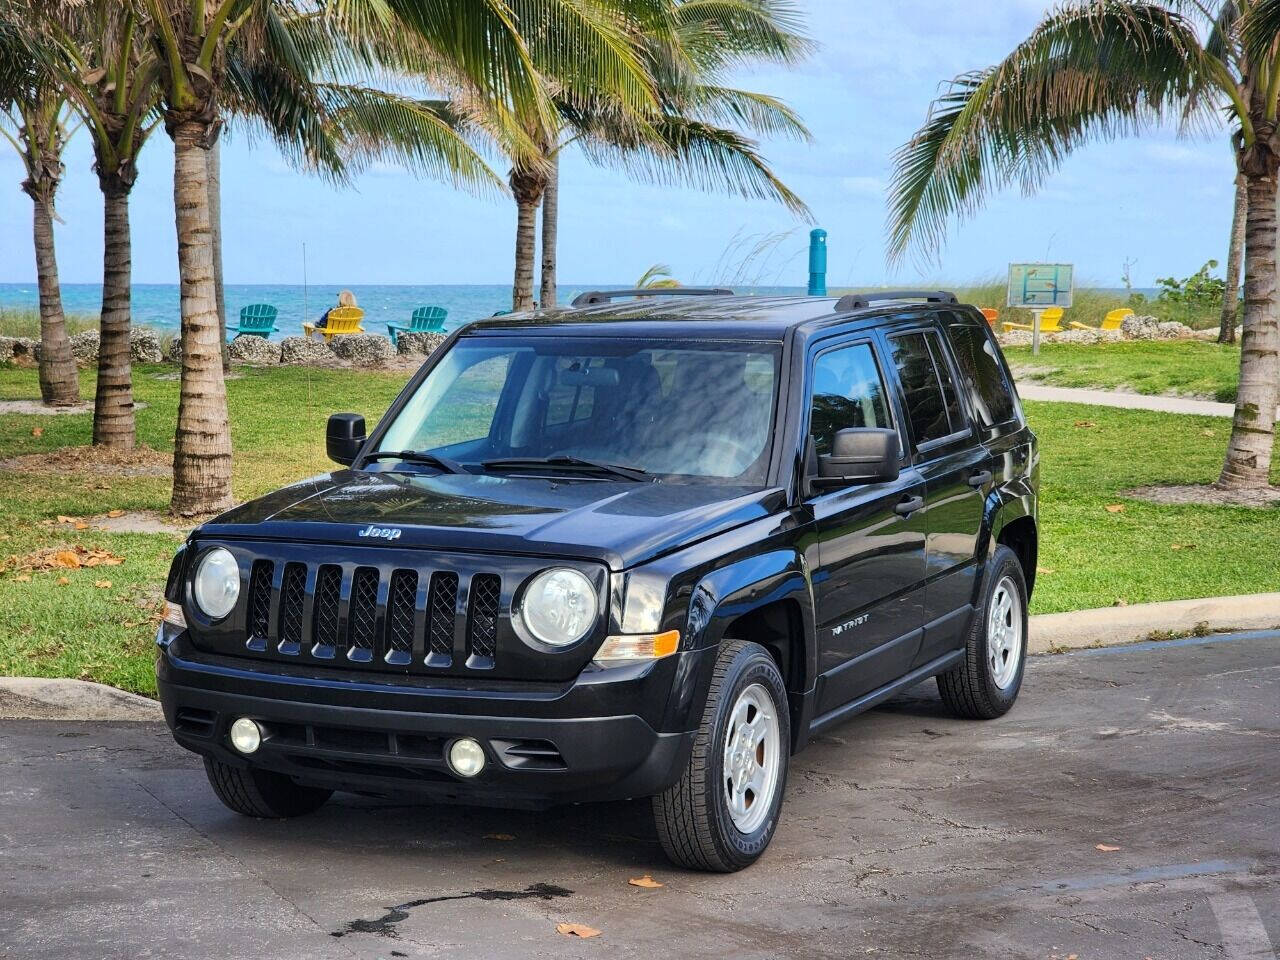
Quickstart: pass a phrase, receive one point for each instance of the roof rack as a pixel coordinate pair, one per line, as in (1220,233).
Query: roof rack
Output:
(859,301)
(604,296)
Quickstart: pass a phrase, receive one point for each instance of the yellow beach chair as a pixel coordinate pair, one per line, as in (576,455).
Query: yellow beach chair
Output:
(1050,322)
(1115,318)
(342,321)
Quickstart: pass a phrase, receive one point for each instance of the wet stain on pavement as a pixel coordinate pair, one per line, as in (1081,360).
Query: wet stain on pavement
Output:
(385,925)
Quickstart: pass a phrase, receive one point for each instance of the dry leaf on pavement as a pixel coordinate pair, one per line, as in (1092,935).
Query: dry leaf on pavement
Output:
(1106,848)
(646,881)
(577,930)
(115,513)
(498,836)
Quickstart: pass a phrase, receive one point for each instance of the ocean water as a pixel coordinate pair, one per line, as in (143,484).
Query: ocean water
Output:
(157,304)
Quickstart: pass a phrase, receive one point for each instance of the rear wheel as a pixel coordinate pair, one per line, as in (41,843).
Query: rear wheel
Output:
(261,793)
(722,813)
(986,683)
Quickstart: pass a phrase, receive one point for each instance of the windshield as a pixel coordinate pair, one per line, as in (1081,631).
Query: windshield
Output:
(676,409)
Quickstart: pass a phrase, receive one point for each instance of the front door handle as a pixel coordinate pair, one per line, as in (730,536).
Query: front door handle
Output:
(980,479)
(908,506)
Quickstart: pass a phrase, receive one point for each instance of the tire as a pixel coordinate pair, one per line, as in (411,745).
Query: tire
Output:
(695,823)
(260,793)
(985,683)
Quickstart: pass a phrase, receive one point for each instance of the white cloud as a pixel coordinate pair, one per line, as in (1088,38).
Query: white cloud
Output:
(863,186)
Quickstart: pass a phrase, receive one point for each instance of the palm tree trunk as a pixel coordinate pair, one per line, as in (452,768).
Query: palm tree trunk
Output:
(202,445)
(550,231)
(1248,462)
(113,421)
(215,231)
(527,187)
(526,226)
(59,382)
(1231,293)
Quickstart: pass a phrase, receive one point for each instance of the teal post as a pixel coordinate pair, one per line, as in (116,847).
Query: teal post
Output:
(817,262)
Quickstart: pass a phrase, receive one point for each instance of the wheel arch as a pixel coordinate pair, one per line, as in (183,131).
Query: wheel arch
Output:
(767,599)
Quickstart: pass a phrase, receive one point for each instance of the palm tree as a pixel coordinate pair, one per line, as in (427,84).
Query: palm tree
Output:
(204,43)
(692,136)
(36,122)
(1235,254)
(1098,69)
(657,277)
(108,74)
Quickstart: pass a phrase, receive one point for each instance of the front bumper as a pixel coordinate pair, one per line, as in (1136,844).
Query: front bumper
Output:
(607,735)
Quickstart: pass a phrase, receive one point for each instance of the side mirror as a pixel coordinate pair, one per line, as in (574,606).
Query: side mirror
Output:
(859,455)
(344,437)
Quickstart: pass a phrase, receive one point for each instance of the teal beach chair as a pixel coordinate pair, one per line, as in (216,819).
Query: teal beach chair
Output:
(256,320)
(424,320)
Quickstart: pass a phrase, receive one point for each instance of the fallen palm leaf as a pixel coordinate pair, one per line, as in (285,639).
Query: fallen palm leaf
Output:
(577,930)
(1106,848)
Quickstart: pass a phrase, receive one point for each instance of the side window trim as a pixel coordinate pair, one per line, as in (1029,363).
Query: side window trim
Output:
(921,449)
(831,345)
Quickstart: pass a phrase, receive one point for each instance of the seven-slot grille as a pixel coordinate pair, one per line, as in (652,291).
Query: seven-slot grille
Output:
(362,615)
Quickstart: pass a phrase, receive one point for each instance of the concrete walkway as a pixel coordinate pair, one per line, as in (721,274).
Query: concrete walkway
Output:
(1127,401)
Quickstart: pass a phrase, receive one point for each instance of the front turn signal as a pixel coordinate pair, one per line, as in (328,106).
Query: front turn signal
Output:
(174,616)
(630,649)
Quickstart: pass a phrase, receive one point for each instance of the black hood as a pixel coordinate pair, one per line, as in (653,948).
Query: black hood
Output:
(618,522)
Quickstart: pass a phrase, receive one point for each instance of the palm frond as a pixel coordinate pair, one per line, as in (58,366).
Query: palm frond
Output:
(1095,71)
(758,112)
(721,33)
(701,155)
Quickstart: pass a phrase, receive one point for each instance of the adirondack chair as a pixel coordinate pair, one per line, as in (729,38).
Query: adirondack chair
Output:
(1050,322)
(1111,321)
(991,314)
(424,320)
(342,322)
(256,320)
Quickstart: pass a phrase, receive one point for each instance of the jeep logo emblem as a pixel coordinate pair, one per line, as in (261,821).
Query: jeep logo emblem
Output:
(382,533)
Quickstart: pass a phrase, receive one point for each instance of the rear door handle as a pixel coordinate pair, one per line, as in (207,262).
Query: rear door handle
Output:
(909,506)
(980,479)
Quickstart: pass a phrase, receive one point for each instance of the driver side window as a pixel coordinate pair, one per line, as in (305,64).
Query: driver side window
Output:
(848,391)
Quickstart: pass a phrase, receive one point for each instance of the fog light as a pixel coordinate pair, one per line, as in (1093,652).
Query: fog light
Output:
(466,757)
(246,736)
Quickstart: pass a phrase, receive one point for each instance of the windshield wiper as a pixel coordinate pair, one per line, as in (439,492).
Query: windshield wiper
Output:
(418,456)
(570,463)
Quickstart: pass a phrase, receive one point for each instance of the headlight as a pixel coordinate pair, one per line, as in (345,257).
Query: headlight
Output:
(559,606)
(217,583)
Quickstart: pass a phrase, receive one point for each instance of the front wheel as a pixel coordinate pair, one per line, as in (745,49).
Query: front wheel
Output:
(986,682)
(261,793)
(722,813)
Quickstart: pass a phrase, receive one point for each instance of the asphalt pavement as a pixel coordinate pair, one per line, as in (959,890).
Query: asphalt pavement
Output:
(1128,807)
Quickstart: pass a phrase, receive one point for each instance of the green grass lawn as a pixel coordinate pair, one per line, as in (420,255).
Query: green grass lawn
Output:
(1090,556)
(1172,367)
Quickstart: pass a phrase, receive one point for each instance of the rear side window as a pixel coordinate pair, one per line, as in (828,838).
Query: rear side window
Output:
(934,412)
(984,377)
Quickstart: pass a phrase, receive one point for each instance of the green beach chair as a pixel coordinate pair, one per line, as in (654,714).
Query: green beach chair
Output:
(256,320)
(424,320)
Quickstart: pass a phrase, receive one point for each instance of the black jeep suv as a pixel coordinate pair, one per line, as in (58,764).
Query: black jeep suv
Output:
(631,549)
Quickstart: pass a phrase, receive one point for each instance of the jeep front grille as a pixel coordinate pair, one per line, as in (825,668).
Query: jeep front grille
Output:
(364,615)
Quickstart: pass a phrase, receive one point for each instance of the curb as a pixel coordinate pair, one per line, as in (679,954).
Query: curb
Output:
(41,698)
(1108,626)
(38,698)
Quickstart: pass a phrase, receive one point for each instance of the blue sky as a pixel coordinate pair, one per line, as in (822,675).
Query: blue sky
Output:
(1163,202)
